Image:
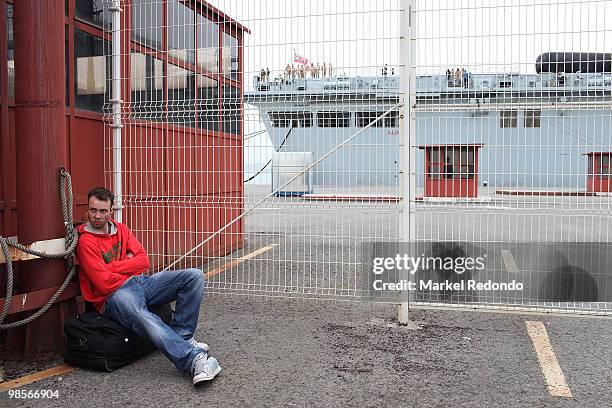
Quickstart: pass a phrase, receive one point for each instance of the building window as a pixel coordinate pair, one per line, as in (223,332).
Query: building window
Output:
(599,165)
(280,119)
(463,164)
(436,164)
(392,119)
(94,12)
(67,63)
(92,71)
(11,51)
(231,110)
(363,119)
(451,163)
(532,119)
(508,119)
(147,86)
(208,103)
(334,119)
(604,166)
(181,31)
(208,45)
(181,96)
(147,22)
(505,84)
(230,57)
(291,119)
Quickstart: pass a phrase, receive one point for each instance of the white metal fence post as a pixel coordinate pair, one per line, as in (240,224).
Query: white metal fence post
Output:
(407,140)
(115,9)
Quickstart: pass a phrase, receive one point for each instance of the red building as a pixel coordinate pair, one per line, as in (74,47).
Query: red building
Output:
(599,177)
(182,90)
(451,170)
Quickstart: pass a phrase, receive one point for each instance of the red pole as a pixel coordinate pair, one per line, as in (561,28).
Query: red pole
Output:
(40,130)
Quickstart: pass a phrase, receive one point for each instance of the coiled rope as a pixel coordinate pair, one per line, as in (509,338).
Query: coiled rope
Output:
(72,239)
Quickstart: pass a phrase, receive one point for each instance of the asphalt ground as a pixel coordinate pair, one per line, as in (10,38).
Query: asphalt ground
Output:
(280,352)
(318,247)
(282,341)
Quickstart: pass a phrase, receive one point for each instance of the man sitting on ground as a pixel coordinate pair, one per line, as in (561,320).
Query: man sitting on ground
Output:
(112,265)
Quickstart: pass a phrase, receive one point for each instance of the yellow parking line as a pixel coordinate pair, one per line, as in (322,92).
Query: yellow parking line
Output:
(239,260)
(41,375)
(557,387)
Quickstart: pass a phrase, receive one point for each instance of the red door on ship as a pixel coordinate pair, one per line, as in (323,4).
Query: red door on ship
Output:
(451,170)
(599,177)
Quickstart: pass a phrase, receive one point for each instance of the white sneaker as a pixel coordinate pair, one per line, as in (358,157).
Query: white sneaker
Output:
(204,368)
(197,344)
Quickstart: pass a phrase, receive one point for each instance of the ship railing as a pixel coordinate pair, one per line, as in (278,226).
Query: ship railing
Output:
(440,83)
(336,83)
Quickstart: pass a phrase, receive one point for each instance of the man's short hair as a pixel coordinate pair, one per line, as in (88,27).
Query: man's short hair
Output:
(102,194)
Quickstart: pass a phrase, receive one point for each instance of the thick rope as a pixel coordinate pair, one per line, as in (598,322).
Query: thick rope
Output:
(72,239)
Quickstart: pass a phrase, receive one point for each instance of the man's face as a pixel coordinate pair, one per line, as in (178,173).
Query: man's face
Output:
(99,212)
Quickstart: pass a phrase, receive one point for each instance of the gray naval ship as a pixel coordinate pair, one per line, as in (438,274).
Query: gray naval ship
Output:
(535,129)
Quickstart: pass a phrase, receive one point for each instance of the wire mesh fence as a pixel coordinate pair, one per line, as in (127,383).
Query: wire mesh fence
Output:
(276,144)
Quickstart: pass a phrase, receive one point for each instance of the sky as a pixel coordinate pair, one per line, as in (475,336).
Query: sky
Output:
(359,36)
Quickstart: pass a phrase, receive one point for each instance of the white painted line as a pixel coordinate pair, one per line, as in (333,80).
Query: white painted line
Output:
(509,261)
(557,387)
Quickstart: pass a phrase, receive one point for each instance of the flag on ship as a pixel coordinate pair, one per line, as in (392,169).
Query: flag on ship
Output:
(297,58)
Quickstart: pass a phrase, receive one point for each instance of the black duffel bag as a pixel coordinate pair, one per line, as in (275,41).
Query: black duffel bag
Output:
(100,343)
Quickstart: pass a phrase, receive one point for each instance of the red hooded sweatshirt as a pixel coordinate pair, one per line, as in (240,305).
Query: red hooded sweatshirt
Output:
(104,262)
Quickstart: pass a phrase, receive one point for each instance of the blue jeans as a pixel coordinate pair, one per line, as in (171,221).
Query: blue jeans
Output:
(129,305)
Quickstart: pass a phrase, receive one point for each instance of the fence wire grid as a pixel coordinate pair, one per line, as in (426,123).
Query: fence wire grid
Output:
(318,129)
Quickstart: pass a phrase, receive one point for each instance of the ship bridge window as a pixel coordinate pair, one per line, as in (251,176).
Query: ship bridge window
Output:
(291,119)
(532,118)
(508,119)
(334,119)
(363,119)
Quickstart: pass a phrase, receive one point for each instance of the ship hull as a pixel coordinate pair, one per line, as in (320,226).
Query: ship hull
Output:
(548,156)
(535,130)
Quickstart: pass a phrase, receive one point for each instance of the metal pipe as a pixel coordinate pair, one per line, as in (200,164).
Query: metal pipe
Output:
(116,102)
(41,142)
(407,141)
